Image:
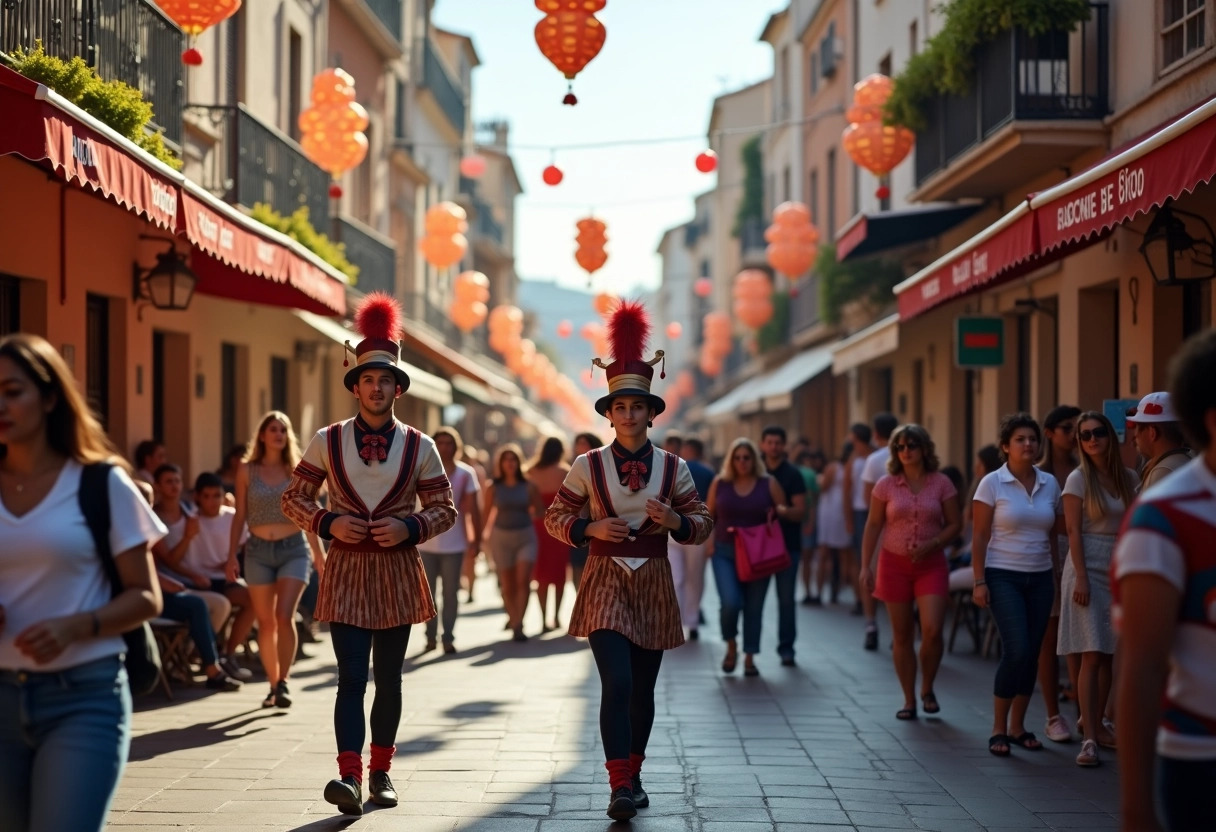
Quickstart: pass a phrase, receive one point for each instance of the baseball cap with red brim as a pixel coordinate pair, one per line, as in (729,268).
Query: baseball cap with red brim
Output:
(1153,408)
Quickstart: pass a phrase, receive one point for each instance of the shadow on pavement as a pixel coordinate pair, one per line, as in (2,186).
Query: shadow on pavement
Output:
(199,735)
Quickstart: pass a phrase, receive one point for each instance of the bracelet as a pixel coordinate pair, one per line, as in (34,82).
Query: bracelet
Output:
(981,582)
(96,624)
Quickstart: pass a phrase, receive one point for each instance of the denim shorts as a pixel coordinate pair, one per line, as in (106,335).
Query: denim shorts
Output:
(266,561)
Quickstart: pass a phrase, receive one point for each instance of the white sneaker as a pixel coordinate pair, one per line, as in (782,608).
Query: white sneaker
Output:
(1058,730)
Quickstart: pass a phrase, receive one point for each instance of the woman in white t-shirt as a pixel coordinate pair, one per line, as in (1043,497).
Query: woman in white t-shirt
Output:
(65,705)
(1015,512)
(445,554)
(1095,497)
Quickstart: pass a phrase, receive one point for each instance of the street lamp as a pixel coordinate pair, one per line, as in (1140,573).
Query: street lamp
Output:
(1174,257)
(167,285)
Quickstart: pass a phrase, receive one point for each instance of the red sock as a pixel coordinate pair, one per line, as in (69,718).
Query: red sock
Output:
(635,763)
(350,764)
(619,776)
(382,757)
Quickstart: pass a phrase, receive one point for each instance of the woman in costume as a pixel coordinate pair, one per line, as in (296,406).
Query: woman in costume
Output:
(637,495)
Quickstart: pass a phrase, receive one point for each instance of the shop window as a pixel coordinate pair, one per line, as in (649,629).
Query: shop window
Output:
(278,383)
(1183,29)
(97,356)
(10,305)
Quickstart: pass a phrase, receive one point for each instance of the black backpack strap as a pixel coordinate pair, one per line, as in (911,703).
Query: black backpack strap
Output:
(94,496)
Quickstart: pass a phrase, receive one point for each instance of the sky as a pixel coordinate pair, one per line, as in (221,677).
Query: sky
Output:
(663,63)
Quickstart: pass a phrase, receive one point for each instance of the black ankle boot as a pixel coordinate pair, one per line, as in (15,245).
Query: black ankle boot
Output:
(380,789)
(640,799)
(622,807)
(346,794)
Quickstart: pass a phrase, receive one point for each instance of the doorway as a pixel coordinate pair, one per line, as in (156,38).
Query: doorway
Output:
(171,394)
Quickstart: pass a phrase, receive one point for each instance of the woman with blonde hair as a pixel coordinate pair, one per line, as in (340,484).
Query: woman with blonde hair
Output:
(741,495)
(276,551)
(1096,496)
(914,512)
(511,504)
(65,704)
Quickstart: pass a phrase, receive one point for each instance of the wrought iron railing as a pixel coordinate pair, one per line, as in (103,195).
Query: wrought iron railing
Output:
(256,163)
(388,12)
(447,92)
(377,261)
(124,40)
(1053,76)
(751,239)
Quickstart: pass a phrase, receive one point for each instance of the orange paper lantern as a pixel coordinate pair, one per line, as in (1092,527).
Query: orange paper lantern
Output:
(470,292)
(753,298)
(703,287)
(196,16)
(792,239)
(570,36)
(605,303)
(591,239)
(674,330)
(875,146)
(444,243)
(564,329)
(331,129)
(870,94)
(710,364)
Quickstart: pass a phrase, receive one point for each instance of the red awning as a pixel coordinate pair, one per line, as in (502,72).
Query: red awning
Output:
(39,131)
(1167,164)
(997,251)
(230,250)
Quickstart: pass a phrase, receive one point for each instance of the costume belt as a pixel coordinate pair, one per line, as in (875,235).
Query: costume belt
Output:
(642,546)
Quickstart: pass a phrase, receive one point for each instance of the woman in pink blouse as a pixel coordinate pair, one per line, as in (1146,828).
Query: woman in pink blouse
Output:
(914,512)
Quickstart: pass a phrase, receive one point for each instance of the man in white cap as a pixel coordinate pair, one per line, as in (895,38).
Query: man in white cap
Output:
(1158,437)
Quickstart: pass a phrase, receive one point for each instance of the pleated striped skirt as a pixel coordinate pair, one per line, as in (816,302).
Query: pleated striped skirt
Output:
(640,605)
(374,589)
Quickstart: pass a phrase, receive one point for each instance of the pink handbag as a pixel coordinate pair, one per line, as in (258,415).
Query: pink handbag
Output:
(760,550)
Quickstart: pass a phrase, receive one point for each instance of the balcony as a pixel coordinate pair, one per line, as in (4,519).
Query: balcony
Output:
(420,307)
(380,22)
(445,91)
(1035,104)
(373,253)
(124,40)
(256,163)
(752,245)
(804,312)
(484,225)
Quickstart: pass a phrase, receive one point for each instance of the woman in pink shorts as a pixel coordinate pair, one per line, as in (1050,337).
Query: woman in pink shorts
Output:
(914,512)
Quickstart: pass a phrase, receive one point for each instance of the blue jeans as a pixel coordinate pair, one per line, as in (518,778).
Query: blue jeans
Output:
(65,730)
(353,648)
(192,611)
(1021,604)
(787,626)
(1186,793)
(738,596)
(443,566)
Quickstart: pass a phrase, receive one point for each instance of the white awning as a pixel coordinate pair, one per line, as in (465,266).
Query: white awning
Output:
(423,385)
(870,343)
(722,409)
(776,389)
(474,390)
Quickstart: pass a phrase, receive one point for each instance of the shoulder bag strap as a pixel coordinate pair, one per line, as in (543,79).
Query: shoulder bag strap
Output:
(94,497)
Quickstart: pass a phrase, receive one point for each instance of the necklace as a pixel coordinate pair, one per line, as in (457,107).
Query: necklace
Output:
(19,486)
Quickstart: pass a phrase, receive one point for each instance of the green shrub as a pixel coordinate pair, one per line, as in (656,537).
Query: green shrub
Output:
(869,281)
(117,105)
(298,227)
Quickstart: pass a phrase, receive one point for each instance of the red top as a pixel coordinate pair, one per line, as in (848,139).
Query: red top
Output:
(912,519)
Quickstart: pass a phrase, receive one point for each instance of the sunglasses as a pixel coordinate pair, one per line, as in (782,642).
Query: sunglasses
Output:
(1097,433)
(906,446)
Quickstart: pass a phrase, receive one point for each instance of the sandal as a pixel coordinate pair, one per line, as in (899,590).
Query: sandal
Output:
(732,658)
(994,743)
(749,667)
(1028,741)
(906,713)
(929,701)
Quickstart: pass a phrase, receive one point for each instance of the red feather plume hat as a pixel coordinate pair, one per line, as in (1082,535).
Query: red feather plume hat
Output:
(629,374)
(378,320)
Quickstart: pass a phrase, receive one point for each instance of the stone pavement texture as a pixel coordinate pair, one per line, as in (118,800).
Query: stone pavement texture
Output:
(503,737)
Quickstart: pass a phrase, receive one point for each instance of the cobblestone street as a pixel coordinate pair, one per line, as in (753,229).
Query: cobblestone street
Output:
(502,737)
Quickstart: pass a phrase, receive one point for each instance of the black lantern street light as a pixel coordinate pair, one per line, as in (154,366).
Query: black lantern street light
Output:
(167,285)
(1174,257)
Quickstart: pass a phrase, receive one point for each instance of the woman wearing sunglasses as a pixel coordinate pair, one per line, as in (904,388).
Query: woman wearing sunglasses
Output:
(914,511)
(1095,497)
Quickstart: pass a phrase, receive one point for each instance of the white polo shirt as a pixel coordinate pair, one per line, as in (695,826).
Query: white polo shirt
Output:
(876,465)
(1021,522)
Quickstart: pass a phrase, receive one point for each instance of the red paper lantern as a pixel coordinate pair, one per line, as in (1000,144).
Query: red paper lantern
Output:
(703,287)
(196,16)
(591,239)
(570,36)
(552,175)
(473,166)
(707,161)
(564,329)
(674,330)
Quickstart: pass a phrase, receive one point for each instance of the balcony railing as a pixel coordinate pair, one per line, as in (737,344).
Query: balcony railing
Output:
(447,92)
(484,225)
(1054,76)
(388,12)
(377,260)
(256,163)
(124,40)
(420,307)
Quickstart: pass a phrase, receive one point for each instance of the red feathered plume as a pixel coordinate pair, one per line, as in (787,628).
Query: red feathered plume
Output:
(629,331)
(379,316)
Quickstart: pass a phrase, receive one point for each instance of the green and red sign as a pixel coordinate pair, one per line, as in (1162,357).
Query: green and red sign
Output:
(979,342)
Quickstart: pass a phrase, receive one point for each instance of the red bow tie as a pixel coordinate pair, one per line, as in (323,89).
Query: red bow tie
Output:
(633,471)
(374,447)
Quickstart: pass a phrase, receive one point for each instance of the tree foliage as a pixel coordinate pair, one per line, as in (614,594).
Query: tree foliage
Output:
(298,227)
(869,281)
(751,207)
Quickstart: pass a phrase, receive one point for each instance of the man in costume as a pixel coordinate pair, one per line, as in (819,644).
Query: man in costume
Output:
(638,496)
(374,586)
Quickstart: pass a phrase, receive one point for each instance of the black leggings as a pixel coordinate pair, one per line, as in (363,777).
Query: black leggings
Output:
(627,678)
(353,646)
